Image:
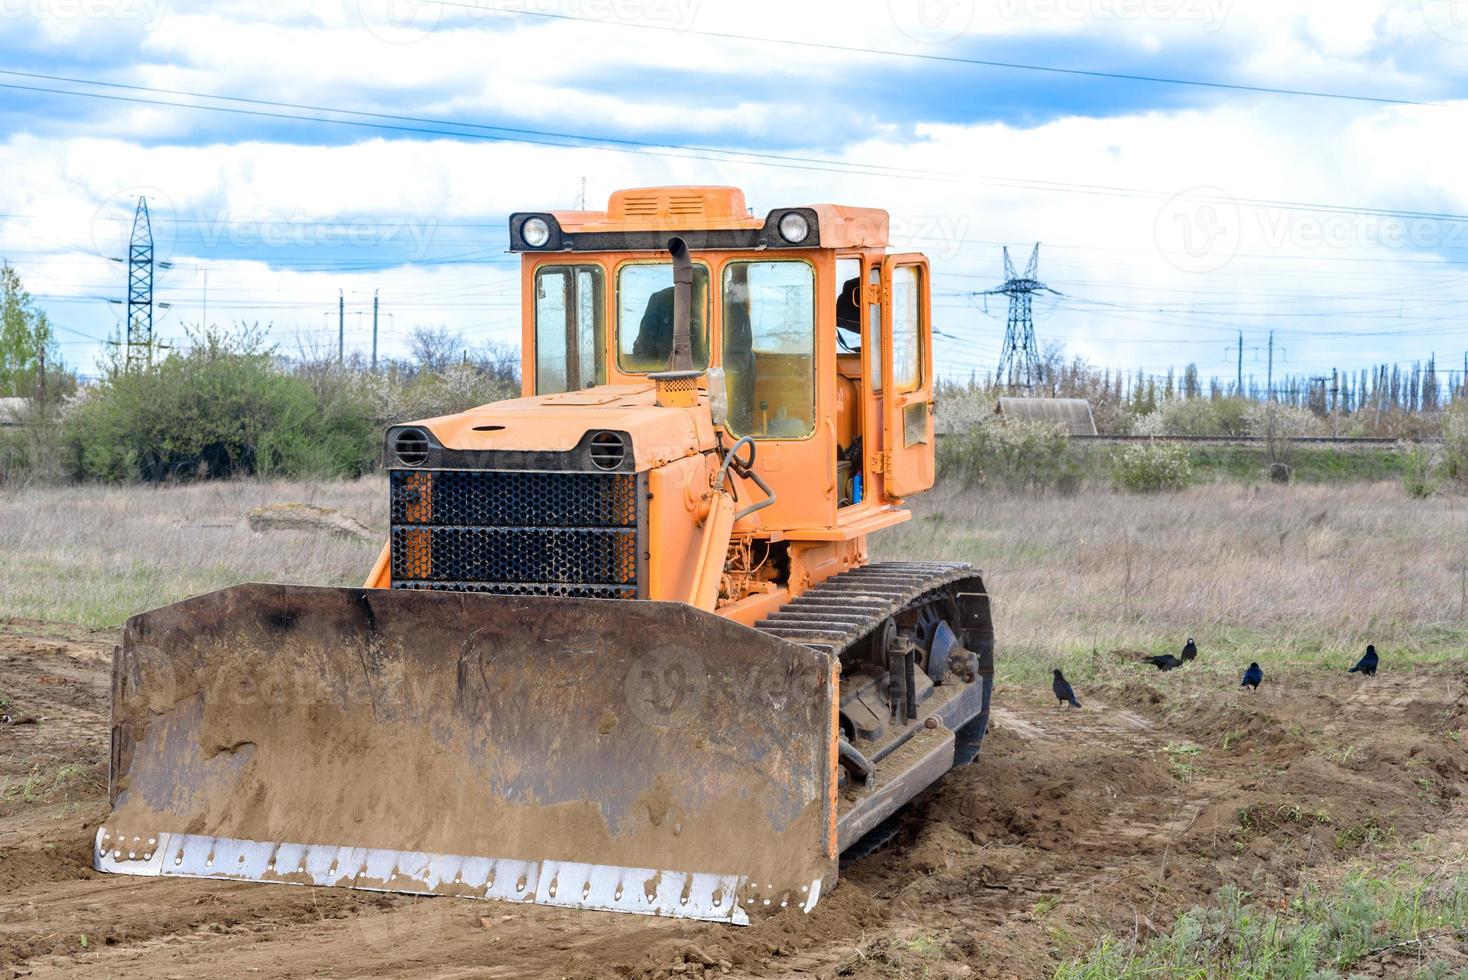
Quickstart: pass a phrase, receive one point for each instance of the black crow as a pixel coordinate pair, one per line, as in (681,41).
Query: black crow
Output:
(1165,661)
(1062,690)
(1252,677)
(1367,664)
(1190,651)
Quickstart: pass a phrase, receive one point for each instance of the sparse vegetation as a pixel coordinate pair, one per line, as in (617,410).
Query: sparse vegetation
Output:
(1284,576)
(43,786)
(1265,817)
(1182,760)
(1317,936)
(1368,832)
(1420,472)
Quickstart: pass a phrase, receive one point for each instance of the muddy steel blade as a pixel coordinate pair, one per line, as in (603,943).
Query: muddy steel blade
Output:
(625,755)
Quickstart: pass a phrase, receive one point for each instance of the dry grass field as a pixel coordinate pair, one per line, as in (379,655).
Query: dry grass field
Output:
(94,555)
(1293,574)
(1176,826)
(1299,575)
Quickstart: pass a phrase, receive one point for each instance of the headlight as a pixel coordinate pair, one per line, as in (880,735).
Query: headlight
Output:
(794,228)
(535,232)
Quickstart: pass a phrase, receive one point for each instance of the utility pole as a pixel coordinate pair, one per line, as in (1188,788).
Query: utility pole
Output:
(1239,380)
(341,325)
(1269,377)
(374,331)
(1335,401)
(43,378)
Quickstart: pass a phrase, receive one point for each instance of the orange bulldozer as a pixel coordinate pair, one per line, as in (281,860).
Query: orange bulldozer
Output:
(624,647)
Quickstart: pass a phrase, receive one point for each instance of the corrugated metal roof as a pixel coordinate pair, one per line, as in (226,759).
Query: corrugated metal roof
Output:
(1072,413)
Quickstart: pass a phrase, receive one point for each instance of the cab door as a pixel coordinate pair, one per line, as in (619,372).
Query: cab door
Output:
(907,375)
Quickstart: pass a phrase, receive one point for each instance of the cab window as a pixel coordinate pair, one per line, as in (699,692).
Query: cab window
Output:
(569,351)
(769,348)
(874,324)
(907,364)
(645,316)
(848,306)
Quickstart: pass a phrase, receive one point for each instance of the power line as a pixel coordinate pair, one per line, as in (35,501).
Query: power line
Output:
(702,153)
(434,127)
(957,60)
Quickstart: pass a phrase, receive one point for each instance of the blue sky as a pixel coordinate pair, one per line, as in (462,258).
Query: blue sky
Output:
(1172,216)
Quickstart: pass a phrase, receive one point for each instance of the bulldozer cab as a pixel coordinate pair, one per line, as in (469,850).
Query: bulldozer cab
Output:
(815,342)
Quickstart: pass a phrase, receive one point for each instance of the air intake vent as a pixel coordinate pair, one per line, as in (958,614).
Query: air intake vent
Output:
(640,207)
(608,451)
(410,447)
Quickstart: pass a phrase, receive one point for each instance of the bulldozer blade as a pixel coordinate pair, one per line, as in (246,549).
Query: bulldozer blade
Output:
(623,755)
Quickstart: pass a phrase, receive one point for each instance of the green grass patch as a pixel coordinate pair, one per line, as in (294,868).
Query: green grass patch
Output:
(1311,464)
(1182,761)
(49,786)
(1318,936)
(1224,655)
(1264,818)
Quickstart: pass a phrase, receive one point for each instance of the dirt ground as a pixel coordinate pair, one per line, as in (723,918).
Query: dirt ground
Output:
(1111,819)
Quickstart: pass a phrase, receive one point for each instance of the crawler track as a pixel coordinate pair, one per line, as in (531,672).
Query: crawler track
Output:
(845,609)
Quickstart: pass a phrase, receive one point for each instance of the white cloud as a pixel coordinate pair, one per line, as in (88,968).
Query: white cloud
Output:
(251,209)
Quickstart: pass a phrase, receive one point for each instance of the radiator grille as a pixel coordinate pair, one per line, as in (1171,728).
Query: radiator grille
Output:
(516,533)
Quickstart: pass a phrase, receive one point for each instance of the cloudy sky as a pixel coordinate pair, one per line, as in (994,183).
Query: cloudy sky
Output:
(1193,168)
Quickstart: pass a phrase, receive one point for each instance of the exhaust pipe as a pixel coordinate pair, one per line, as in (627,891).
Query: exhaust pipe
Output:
(682,356)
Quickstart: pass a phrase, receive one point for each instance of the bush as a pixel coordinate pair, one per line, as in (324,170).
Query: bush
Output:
(224,408)
(1193,417)
(393,399)
(1189,417)
(1455,441)
(1419,477)
(1151,467)
(1012,454)
(1279,426)
(28,453)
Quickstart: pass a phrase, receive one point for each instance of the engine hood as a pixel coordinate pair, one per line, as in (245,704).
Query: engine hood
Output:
(532,432)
